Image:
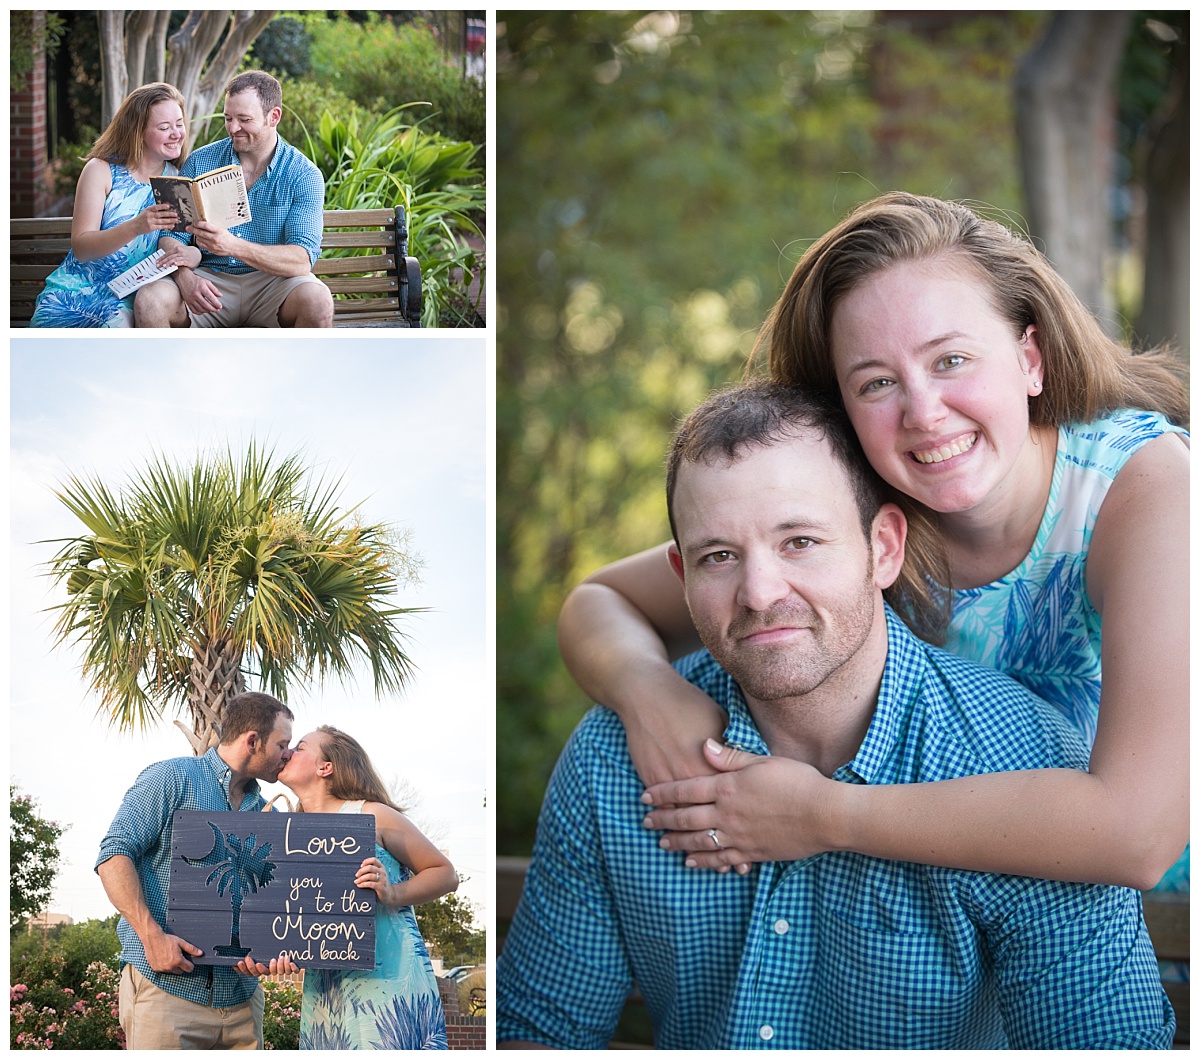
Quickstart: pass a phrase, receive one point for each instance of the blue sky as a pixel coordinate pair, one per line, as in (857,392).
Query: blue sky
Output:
(405,421)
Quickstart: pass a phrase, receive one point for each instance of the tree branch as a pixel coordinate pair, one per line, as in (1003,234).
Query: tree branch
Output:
(138,27)
(188,48)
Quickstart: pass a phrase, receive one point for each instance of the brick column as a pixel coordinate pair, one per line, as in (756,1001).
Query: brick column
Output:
(27,115)
(462,1032)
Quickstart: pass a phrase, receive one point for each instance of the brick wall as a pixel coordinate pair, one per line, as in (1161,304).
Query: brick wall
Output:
(27,117)
(462,1032)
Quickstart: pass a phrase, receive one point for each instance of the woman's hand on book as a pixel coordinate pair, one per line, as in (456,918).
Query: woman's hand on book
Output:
(157,218)
(180,255)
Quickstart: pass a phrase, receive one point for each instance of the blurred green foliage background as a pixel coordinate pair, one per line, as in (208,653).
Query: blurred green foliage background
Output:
(658,177)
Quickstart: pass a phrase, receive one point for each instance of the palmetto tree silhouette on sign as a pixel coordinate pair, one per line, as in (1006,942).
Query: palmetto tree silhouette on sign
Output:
(241,866)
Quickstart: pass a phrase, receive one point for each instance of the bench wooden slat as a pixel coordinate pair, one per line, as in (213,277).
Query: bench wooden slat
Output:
(356,218)
(31,272)
(33,226)
(50,247)
(390,280)
(342,316)
(330,240)
(366,263)
(1167,918)
(361,284)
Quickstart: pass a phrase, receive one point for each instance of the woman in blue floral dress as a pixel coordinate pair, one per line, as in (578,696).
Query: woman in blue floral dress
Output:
(396,1004)
(116,223)
(1045,474)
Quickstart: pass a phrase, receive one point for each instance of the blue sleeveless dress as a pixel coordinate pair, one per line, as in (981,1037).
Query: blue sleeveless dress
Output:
(76,293)
(1037,623)
(394,1005)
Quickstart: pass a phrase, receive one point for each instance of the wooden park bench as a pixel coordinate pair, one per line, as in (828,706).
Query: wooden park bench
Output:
(633,1030)
(378,288)
(1167,918)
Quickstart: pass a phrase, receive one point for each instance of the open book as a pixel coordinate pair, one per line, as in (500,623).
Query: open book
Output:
(218,197)
(139,275)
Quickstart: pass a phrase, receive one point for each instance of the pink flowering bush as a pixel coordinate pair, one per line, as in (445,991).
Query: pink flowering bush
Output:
(281,1017)
(46,1015)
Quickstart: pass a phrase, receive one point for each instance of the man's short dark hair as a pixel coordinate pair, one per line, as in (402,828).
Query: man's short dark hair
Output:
(251,712)
(760,414)
(262,84)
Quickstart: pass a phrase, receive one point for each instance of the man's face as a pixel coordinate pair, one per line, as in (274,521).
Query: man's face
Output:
(777,572)
(246,123)
(273,752)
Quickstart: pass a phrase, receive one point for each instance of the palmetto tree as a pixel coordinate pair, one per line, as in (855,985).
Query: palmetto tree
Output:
(193,575)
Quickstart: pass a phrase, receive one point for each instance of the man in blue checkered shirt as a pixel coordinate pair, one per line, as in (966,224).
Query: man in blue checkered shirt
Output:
(784,546)
(257,274)
(166,1001)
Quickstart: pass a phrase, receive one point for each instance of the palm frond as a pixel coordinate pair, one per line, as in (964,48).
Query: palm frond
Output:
(249,552)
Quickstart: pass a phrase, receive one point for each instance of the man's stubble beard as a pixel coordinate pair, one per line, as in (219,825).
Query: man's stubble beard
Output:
(773,673)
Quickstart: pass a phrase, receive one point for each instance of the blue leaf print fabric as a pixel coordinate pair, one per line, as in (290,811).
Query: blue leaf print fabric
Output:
(1037,623)
(395,1005)
(76,293)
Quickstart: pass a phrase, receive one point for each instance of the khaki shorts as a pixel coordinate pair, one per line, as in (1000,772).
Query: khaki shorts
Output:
(154,1019)
(248,299)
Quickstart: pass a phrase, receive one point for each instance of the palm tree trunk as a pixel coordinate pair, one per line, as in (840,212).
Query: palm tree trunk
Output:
(216,678)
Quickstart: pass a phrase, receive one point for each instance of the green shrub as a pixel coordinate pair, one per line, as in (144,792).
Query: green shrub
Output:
(281,1016)
(69,160)
(381,65)
(74,946)
(282,48)
(384,163)
(305,100)
(45,1014)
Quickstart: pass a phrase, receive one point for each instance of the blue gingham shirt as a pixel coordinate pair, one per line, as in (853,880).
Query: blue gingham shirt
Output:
(839,950)
(287,202)
(141,831)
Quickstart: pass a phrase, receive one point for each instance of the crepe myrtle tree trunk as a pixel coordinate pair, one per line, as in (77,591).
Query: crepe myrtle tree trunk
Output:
(114,72)
(134,50)
(1066,120)
(146,46)
(1165,314)
(216,677)
(202,80)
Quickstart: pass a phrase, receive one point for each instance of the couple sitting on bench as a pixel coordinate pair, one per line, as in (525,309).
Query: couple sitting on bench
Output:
(257,274)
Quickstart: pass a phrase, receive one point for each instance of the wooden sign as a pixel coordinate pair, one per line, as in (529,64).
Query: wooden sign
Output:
(266,884)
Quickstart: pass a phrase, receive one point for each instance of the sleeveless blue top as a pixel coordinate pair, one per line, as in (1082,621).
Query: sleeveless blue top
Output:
(1037,623)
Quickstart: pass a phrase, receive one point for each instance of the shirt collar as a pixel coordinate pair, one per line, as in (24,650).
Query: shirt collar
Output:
(223,772)
(898,692)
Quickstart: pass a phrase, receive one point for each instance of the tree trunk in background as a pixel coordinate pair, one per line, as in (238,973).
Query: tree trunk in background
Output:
(1165,310)
(200,79)
(1065,129)
(114,75)
(134,51)
(216,679)
(146,46)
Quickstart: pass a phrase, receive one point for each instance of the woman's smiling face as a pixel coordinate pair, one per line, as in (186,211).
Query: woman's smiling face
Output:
(165,130)
(935,382)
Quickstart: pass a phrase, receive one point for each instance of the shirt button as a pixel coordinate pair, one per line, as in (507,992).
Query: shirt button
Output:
(781,927)
(766,1032)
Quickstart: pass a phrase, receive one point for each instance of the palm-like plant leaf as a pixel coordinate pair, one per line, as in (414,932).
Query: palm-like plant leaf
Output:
(247,558)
